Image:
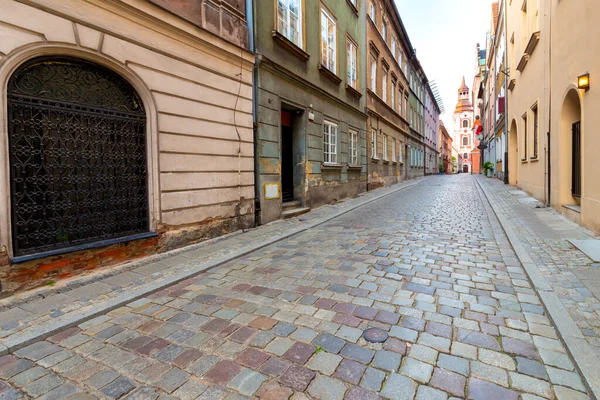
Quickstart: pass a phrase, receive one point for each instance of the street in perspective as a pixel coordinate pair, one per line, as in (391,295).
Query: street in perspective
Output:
(285,200)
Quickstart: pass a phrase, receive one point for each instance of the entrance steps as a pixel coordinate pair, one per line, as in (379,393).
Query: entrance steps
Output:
(292,209)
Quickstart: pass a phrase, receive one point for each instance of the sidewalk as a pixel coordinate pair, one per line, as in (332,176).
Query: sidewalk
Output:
(35,315)
(565,277)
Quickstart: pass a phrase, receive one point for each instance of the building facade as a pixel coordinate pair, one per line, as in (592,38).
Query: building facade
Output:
(310,94)
(416,143)
(387,94)
(431,132)
(552,144)
(445,155)
(120,139)
(463,137)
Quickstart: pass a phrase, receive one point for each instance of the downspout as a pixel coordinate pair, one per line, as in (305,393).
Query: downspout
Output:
(250,16)
(550,103)
(506,77)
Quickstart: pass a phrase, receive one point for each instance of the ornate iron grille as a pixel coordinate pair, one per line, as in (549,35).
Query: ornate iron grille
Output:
(77,151)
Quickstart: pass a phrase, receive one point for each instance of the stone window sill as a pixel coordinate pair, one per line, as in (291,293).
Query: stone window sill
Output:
(329,74)
(354,167)
(386,161)
(331,166)
(353,7)
(353,91)
(290,46)
(375,159)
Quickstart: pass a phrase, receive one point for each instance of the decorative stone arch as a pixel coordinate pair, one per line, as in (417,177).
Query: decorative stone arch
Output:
(571,113)
(11,63)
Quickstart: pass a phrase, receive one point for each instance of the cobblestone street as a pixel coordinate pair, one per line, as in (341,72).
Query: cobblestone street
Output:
(429,264)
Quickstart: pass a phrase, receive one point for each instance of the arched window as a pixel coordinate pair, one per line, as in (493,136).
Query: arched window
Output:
(465,141)
(465,123)
(77,156)
(465,156)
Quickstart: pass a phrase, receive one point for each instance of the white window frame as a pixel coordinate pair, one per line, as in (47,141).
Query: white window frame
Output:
(353,147)
(384,91)
(394,48)
(400,158)
(352,50)
(330,133)
(374,74)
(372,10)
(400,95)
(394,150)
(374,144)
(384,29)
(329,60)
(286,23)
(400,58)
(385,147)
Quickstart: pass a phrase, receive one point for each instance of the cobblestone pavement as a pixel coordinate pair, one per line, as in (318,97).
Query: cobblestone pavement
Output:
(30,315)
(544,233)
(429,264)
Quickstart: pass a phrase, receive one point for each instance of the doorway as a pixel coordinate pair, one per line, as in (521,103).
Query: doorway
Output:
(287,157)
(465,168)
(576,158)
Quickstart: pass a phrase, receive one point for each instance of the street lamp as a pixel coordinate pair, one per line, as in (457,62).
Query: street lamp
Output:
(583,81)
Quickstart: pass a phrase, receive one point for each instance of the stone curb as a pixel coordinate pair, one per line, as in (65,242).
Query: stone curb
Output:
(576,344)
(32,335)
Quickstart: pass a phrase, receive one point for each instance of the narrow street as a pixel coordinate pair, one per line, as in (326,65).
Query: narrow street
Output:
(428,264)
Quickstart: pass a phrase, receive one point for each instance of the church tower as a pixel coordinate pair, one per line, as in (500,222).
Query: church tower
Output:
(462,129)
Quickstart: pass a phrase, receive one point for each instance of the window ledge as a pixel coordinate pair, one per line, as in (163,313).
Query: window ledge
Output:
(394,162)
(374,159)
(512,84)
(290,46)
(331,166)
(524,160)
(353,167)
(329,74)
(532,159)
(353,91)
(533,41)
(353,7)
(386,161)
(523,62)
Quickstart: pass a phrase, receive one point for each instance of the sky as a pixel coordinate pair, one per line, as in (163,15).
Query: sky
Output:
(445,33)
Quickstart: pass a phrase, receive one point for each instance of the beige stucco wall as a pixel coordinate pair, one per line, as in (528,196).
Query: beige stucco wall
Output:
(575,44)
(531,85)
(200,149)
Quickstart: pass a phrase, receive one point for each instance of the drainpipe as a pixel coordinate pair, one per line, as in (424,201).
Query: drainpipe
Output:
(506,77)
(250,17)
(550,102)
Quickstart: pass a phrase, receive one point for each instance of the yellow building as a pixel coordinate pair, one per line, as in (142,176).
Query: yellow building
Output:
(552,141)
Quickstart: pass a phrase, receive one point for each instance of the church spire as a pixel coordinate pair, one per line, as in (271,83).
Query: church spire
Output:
(464,103)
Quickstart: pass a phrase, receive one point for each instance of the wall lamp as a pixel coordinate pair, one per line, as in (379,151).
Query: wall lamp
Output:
(583,81)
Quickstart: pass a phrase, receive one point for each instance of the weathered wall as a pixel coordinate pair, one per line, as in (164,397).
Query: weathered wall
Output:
(200,151)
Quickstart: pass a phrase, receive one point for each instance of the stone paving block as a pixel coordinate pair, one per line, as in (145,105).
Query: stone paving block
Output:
(563,393)
(455,364)
(386,360)
(172,380)
(428,393)
(531,367)
(497,359)
(423,353)
(439,343)
(406,334)
(325,363)
(271,390)
(102,378)
(297,377)
(528,384)
(399,387)
(483,390)
(11,366)
(222,372)
(554,359)
(299,352)
(38,351)
(349,334)
(283,329)
(143,393)
(565,378)
(252,358)
(329,343)
(192,389)
(247,382)
(478,339)
(358,353)
(417,370)
(487,372)
(28,376)
(279,346)
(66,390)
(373,379)
(449,382)
(43,385)
(304,335)
(325,388)
(274,366)
(520,348)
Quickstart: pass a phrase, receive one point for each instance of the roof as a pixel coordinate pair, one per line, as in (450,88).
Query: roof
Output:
(495,15)
(464,104)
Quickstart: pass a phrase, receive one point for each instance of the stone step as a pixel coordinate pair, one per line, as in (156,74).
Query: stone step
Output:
(294,212)
(288,205)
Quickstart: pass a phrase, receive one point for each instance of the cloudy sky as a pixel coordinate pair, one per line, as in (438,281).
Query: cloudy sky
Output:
(445,33)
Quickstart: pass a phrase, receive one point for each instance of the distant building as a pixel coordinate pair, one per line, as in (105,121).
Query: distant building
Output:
(462,135)
(445,155)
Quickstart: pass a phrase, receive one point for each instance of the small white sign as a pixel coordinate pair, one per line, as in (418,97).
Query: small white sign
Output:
(271,191)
